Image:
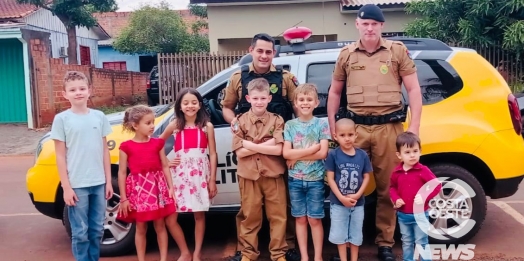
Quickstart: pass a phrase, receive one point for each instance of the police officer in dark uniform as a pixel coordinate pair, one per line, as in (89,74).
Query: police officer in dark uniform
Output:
(372,71)
(282,86)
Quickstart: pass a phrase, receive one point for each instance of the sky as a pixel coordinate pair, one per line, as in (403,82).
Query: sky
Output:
(131,5)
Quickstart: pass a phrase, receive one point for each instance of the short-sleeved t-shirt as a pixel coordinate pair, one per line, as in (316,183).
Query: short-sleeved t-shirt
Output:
(349,171)
(82,134)
(303,135)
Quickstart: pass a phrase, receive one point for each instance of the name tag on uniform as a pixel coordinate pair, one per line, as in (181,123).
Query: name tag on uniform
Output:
(358,67)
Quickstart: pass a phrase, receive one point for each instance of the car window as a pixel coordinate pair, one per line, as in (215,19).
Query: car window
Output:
(320,75)
(438,80)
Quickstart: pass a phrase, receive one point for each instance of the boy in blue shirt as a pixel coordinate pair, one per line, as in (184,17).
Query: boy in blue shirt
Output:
(305,146)
(82,158)
(348,170)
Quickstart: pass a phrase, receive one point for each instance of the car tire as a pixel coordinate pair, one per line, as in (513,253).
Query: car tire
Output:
(109,248)
(453,174)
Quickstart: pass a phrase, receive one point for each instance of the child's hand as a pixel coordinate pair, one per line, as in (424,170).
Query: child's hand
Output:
(174,163)
(109,190)
(124,208)
(418,199)
(171,194)
(399,203)
(212,188)
(290,163)
(70,197)
(315,147)
(348,202)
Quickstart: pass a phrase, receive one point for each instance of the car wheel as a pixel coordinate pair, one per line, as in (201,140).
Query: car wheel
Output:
(119,237)
(458,211)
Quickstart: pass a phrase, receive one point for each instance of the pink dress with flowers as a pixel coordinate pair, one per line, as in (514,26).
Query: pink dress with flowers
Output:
(146,184)
(191,177)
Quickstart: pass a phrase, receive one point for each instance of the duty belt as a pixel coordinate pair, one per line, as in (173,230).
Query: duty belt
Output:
(397,116)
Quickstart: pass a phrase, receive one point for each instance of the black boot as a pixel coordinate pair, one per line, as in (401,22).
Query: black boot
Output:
(292,255)
(237,256)
(385,254)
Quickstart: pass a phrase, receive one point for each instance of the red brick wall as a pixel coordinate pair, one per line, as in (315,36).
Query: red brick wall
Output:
(109,87)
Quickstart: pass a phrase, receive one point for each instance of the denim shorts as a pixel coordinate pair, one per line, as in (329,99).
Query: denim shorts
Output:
(307,198)
(346,224)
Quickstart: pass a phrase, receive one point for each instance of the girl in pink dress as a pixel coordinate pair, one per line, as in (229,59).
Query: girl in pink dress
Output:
(192,171)
(146,193)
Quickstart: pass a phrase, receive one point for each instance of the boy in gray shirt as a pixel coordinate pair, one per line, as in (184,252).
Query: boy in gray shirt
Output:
(83,162)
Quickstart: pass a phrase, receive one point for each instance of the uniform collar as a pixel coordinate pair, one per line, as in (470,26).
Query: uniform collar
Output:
(271,69)
(383,44)
(400,168)
(254,118)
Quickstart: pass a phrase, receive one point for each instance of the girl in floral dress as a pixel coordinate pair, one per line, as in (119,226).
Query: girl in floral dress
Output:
(146,193)
(192,171)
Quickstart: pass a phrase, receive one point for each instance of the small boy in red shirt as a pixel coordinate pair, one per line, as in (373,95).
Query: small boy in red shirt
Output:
(412,186)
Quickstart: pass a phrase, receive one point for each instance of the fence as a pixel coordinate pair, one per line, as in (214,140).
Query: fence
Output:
(177,71)
(507,63)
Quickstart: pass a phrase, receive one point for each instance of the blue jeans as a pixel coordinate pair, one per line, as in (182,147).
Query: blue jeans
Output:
(306,197)
(87,222)
(414,228)
(346,224)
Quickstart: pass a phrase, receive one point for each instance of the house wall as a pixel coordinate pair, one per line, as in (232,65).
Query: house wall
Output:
(109,87)
(43,20)
(228,23)
(108,54)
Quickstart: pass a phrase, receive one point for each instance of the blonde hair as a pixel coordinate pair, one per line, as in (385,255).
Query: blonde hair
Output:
(306,88)
(75,76)
(134,115)
(258,84)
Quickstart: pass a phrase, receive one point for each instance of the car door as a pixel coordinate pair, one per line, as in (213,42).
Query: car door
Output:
(226,177)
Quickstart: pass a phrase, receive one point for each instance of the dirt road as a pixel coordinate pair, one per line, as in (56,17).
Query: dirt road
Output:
(27,235)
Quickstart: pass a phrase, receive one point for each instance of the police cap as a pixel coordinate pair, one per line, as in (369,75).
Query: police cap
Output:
(371,11)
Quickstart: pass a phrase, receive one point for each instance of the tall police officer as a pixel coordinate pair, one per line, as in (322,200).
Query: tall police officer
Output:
(282,86)
(373,70)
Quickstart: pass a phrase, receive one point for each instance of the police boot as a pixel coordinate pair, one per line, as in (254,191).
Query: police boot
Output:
(236,257)
(292,255)
(385,254)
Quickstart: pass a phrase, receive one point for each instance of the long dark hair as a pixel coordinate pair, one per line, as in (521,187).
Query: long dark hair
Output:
(202,117)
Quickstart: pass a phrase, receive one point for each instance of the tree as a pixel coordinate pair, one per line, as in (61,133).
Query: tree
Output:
(74,13)
(469,22)
(157,29)
(198,41)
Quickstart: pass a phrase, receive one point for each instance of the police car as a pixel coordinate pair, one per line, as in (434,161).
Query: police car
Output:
(470,130)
